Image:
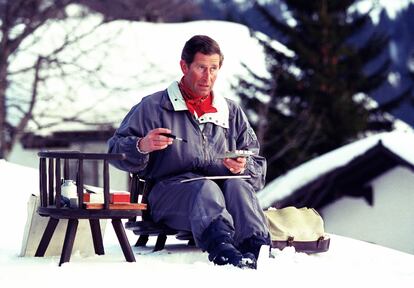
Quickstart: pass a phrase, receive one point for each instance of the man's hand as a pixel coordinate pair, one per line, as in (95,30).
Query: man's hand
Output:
(235,165)
(155,141)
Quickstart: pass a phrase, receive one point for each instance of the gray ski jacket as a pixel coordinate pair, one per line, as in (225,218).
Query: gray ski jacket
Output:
(197,157)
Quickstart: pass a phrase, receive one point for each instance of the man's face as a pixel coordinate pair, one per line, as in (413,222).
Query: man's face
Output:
(202,73)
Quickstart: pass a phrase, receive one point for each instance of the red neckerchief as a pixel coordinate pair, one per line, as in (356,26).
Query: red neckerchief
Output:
(195,103)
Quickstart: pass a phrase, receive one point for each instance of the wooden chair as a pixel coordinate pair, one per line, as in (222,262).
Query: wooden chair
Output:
(50,165)
(146,227)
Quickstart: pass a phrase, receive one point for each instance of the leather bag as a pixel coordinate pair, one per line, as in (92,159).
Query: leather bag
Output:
(302,228)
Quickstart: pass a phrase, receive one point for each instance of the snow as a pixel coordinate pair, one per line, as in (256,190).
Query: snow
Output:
(348,263)
(399,142)
(392,7)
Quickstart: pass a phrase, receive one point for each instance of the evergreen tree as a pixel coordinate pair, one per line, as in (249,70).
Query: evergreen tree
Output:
(316,99)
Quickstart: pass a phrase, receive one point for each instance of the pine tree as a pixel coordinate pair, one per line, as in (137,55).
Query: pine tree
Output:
(316,99)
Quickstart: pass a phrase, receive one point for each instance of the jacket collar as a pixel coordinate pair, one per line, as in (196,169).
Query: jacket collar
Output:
(220,118)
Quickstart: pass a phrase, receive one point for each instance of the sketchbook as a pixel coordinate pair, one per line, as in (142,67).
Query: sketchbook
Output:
(217,177)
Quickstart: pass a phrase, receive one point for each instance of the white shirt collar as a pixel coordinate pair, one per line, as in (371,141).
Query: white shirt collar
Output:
(221,117)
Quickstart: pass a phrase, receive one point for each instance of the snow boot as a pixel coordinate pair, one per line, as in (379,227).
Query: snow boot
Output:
(252,245)
(220,247)
(249,261)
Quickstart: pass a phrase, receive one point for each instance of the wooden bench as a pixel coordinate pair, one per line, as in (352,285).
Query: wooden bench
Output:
(145,227)
(50,172)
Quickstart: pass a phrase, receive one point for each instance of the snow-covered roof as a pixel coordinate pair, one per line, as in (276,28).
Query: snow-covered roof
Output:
(398,142)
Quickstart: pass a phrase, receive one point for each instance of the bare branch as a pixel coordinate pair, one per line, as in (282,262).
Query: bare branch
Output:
(36,20)
(29,113)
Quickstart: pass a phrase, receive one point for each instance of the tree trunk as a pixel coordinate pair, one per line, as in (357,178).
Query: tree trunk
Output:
(3,88)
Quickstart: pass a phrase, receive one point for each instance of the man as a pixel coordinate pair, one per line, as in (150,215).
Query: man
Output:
(223,216)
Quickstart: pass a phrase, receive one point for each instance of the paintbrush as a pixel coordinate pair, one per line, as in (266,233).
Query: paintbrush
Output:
(173,137)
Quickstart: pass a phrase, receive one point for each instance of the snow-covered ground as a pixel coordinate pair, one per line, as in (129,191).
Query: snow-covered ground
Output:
(348,263)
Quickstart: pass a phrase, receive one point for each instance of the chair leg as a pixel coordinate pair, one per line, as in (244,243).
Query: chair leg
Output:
(123,240)
(160,244)
(69,240)
(47,236)
(191,243)
(97,236)
(142,241)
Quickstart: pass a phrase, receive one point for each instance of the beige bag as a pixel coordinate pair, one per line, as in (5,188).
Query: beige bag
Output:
(302,228)
(36,224)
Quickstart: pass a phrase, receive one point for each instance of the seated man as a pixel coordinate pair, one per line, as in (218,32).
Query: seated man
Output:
(224,216)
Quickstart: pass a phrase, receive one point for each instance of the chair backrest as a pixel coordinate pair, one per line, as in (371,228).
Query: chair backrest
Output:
(50,170)
(140,189)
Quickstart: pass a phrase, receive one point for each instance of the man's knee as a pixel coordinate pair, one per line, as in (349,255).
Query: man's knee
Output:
(237,188)
(236,183)
(208,190)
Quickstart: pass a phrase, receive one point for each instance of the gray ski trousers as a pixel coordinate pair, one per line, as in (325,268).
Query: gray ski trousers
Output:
(192,206)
